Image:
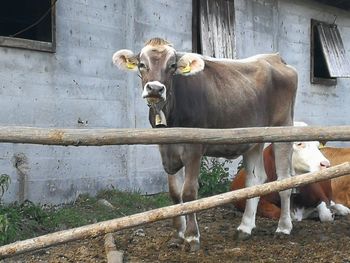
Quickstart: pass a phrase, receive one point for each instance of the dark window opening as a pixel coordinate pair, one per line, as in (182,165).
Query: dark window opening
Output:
(24,22)
(320,65)
(328,56)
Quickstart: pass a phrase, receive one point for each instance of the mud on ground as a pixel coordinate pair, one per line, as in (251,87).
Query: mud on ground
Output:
(310,241)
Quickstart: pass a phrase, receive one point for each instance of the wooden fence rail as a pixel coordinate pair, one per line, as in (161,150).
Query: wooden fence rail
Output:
(109,226)
(98,137)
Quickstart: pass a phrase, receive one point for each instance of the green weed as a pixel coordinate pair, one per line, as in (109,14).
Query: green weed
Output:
(4,184)
(4,221)
(214,177)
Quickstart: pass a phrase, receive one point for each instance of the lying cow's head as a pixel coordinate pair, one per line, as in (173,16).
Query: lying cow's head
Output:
(157,63)
(308,158)
(306,155)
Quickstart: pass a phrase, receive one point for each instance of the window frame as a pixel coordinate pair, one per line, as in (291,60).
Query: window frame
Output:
(14,42)
(313,79)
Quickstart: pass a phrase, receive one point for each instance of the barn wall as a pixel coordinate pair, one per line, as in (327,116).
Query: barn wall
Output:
(79,82)
(284,26)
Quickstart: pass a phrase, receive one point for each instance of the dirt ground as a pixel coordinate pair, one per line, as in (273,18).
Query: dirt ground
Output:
(310,241)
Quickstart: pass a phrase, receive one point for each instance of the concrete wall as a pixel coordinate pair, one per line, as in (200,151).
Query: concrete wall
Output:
(79,82)
(284,26)
(265,26)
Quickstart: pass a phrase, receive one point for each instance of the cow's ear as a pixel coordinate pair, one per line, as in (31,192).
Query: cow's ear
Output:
(125,60)
(190,64)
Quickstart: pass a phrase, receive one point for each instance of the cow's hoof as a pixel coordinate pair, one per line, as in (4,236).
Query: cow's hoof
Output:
(240,235)
(280,235)
(192,246)
(175,242)
(192,243)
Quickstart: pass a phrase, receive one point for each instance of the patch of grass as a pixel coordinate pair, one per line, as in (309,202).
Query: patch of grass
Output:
(87,209)
(21,222)
(18,222)
(214,177)
(130,203)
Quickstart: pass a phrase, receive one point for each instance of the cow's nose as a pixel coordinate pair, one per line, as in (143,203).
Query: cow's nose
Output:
(155,89)
(325,164)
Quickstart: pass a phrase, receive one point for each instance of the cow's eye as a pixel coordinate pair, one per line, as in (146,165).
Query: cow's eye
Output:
(142,65)
(173,66)
(301,144)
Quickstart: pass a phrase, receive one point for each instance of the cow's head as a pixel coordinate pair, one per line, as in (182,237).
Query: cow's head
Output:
(157,63)
(308,158)
(306,155)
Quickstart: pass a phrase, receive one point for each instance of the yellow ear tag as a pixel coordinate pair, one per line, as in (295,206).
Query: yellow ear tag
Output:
(130,65)
(322,145)
(186,69)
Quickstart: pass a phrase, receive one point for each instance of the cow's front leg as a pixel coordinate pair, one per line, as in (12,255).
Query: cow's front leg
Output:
(189,193)
(253,163)
(176,182)
(283,157)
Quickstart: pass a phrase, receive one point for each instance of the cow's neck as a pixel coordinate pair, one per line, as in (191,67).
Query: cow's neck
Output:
(163,118)
(170,106)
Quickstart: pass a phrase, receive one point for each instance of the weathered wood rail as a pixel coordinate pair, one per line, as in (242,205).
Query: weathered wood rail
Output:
(99,137)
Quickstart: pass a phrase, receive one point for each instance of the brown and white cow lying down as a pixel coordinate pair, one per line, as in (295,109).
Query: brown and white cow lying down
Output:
(190,90)
(312,200)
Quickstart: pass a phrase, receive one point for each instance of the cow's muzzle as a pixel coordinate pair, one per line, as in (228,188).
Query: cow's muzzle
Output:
(154,91)
(155,94)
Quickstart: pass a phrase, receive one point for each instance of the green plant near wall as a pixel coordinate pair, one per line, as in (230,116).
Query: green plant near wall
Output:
(214,177)
(4,222)
(4,184)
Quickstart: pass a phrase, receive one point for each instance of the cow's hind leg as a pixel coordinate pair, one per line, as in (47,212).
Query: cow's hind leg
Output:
(253,163)
(176,182)
(283,157)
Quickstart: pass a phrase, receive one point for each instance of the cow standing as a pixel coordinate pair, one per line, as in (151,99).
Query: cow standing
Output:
(190,90)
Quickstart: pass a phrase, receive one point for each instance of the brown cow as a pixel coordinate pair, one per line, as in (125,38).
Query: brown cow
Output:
(310,200)
(190,90)
(340,185)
